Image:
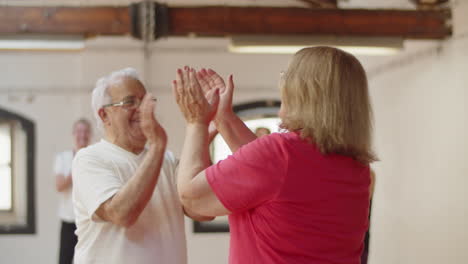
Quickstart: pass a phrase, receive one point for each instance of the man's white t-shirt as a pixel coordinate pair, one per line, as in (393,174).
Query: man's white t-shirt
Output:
(158,236)
(63,164)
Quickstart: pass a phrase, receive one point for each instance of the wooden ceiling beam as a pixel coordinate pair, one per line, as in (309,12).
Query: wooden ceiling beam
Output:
(320,3)
(221,21)
(65,20)
(224,21)
(430,4)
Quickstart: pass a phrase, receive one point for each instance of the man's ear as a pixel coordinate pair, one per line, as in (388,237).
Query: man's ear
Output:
(103,115)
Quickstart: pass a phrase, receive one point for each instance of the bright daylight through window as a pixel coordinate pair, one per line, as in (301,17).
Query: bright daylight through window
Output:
(5,167)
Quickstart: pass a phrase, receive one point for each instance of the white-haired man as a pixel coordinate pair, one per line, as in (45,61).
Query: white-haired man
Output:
(124,193)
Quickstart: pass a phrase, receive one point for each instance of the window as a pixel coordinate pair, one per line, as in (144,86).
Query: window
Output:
(262,118)
(5,167)
(16,174)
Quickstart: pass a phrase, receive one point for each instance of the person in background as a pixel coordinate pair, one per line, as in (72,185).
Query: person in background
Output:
(63,183)
(262,131)
(296,197)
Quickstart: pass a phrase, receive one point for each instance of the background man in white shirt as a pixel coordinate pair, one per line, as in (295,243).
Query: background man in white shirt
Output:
(63,183)
(124,193)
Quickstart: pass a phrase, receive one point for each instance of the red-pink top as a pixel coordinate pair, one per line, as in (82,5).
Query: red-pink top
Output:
(292,204)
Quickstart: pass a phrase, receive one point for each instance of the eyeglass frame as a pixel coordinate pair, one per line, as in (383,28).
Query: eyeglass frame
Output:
(121,103)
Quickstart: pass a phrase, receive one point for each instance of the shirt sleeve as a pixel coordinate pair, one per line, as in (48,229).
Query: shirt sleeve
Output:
(94,182)
(58,167)
(172,164)
(253,175)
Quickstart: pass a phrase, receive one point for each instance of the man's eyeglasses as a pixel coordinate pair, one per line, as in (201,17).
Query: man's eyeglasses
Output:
(129,103)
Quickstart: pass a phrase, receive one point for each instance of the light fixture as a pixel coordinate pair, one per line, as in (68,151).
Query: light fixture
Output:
(41,42)
(291,44)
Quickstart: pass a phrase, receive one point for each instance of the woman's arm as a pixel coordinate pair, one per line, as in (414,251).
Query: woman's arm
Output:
(192,185)
(230,126)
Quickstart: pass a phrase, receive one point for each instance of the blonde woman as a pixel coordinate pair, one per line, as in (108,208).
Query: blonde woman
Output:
(295,197)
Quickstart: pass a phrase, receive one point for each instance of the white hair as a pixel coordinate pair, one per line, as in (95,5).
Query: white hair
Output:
(100,94)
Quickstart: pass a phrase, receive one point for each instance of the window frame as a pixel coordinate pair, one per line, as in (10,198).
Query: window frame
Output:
(30,226)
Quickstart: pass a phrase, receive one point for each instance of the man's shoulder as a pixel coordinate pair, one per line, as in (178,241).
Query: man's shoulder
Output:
(96,150)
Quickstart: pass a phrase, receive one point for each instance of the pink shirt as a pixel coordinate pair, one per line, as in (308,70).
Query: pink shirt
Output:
(291,204)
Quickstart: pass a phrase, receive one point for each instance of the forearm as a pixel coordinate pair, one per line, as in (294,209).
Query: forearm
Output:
(127,204)
(234,131)
(62,182)
(194,159)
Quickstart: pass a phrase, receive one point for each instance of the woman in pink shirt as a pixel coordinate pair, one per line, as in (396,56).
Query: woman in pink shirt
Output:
(295,197)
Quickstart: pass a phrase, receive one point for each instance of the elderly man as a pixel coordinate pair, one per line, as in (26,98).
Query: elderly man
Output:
(124,193)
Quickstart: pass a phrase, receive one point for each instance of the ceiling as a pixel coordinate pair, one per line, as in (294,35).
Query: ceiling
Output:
(368,4)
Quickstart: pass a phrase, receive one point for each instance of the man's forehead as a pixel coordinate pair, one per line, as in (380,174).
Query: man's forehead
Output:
(125,86)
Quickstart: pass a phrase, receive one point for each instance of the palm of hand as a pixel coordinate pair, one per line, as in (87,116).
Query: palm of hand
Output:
(210,81)
(198,102)
(150,127)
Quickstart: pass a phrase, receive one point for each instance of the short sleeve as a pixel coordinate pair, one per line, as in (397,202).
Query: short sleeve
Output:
(172,161)
(94,182)
(253,175)
(171,165)
(58,164)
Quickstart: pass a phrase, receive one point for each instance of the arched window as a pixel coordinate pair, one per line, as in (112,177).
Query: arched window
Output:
(16,174)
(262,118)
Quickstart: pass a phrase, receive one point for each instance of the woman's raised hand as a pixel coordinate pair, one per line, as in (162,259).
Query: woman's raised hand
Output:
(211,81)
(190,97)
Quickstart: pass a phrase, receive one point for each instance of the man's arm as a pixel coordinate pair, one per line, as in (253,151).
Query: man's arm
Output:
(126,205)
(63,182)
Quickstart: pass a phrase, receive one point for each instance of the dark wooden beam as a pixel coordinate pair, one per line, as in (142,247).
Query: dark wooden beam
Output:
(221,21)
(320,3)
(430,4)
(65,20)
(225,21)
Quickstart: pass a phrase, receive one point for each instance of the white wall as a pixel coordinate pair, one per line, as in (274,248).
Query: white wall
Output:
(419,213)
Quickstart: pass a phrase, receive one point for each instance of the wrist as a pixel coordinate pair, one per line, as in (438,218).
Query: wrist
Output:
(157,146)
(197,125)
(224,118)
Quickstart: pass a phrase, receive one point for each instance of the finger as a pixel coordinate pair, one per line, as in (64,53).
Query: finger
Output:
(207,79)
(187,97)
(216,80)
(195,89)
(214,102)
(180,78)
(174,91)
(230,86)
(147,106)
(191,89)
(203,83)
(180,84)
(185,76)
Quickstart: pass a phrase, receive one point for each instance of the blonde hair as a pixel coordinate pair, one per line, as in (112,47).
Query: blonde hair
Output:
(326,98)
